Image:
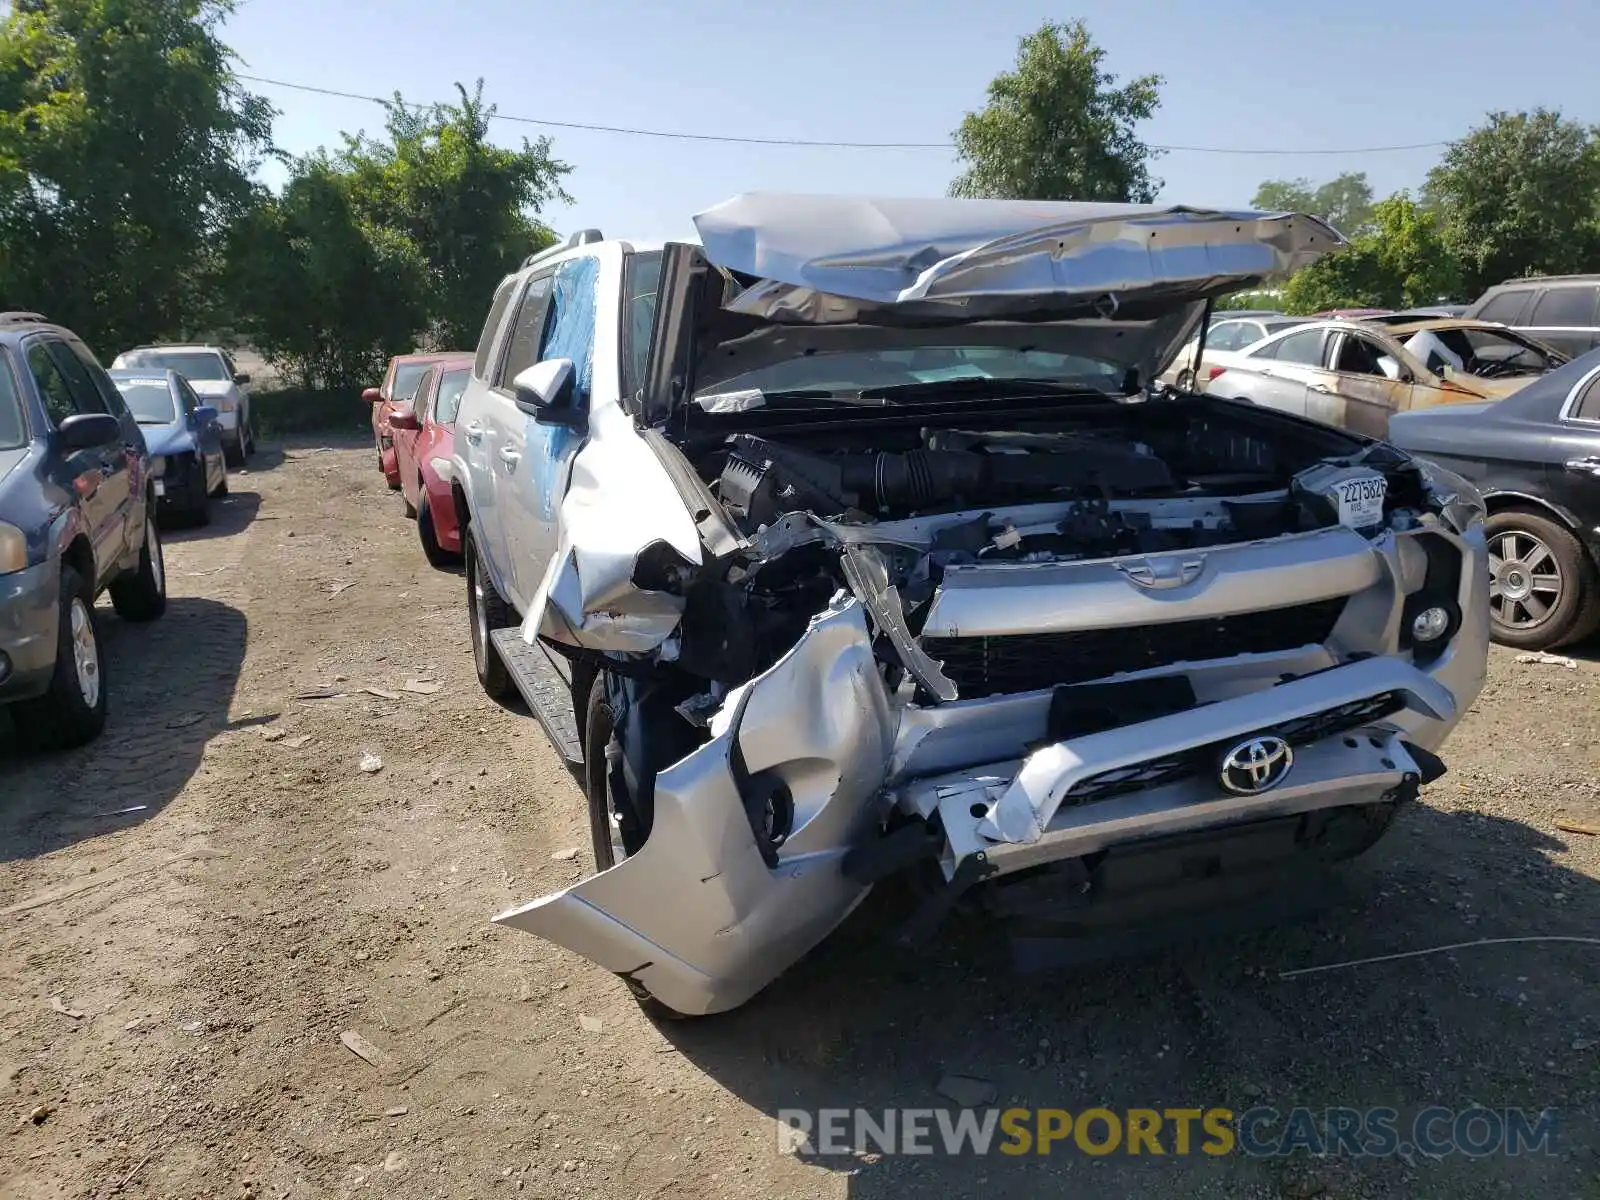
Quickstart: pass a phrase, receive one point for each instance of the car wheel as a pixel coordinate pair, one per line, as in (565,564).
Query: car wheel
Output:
(1541,582)
(142,595)
(436,554)
(488,612)
(233,452)
(249,435)
(199,498)
(73,710)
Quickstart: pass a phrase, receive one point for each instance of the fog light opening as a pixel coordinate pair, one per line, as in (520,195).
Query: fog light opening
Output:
(1430,624)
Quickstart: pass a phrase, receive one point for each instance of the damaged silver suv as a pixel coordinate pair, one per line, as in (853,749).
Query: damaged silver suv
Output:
(860,540)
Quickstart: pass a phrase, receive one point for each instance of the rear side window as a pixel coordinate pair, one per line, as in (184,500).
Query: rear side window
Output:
(491,326)
(1588,406)
(1564,306)
(1507,307)
(1304,348)
(527,331)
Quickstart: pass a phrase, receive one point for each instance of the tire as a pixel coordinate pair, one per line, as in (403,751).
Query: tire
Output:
(222,488)
(1543,589)
(436,554)
(233,454)
(249,438)
(411,509)
(67,715)
(199,505)
(487,611)
(142,595)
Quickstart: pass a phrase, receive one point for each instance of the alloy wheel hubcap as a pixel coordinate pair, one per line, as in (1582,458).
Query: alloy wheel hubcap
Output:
(1525,580)
(158,568)
(85,653)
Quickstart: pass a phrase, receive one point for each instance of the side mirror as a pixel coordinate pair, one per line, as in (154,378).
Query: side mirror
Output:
(404,418)
(204,414)
(89,429)
(241,376)
(548,392)
(372,395)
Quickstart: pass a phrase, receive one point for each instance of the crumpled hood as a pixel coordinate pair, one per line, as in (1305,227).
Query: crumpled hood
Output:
(1121,282)
(979,258)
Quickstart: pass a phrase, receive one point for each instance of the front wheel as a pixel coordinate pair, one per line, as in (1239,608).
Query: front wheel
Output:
(436,554)
(73,711)
(1542,585)
(142,595)
(488,612)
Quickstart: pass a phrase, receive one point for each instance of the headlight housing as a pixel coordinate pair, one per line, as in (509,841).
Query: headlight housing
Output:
(1460,505)
(441,467)
(13,549)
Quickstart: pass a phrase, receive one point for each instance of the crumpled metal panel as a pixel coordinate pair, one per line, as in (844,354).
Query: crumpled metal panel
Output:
(619,500)
(899,251)
(696,916)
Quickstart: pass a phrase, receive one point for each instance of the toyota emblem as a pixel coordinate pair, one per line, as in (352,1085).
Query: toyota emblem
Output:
(1257,765)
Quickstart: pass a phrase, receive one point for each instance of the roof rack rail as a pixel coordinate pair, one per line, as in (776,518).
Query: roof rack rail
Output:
(23,318)
(1582,277)
(582,238)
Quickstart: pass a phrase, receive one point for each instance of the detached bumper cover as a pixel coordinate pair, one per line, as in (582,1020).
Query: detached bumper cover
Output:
(29,615)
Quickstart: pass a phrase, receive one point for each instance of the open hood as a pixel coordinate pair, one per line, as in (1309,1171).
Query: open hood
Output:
(784,275)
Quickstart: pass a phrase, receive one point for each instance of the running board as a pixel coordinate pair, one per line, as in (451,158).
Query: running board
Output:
(541,685)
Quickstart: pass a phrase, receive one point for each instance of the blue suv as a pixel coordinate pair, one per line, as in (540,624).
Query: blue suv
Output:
(77,517)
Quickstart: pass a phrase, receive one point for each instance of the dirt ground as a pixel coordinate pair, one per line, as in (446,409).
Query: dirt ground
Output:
(267,897)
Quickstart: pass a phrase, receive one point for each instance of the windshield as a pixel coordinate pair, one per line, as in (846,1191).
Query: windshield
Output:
(194,365)
(13,431)
(150,400)
(406,378)
(858,371)
(449,397)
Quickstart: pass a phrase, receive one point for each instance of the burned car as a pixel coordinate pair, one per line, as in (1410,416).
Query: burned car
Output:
(861,540)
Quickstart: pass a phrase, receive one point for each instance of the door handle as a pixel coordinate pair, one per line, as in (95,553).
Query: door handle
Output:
(1584,466)
(474,432)
(509,456)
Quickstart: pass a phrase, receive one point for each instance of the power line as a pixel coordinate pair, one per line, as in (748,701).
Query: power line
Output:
(674,135)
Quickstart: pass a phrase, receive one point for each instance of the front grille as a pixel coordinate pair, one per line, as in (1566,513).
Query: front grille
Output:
(1027,662)
(1301,731)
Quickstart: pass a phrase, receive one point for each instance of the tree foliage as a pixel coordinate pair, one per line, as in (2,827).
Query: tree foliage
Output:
(1345,202)
(1399,262)
(1058,128)
(1520,195)
(126,149)
(467,203)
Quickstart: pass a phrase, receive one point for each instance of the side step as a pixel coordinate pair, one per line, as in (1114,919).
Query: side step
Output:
(542,686)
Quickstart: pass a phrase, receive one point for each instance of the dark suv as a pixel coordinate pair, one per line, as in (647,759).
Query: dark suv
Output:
(1560,310)
(77,517)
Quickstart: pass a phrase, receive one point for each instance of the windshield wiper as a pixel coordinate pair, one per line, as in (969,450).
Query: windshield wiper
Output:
(967,385)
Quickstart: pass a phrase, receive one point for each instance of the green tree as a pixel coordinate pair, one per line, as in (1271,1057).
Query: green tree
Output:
(1058,127)
(1400,262)
(1520,195)
(331,295)
(469,206)
(1345,202)
(126,148)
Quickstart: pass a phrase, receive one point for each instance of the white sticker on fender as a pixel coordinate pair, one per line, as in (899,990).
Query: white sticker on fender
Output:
(1361,500)
(161,488)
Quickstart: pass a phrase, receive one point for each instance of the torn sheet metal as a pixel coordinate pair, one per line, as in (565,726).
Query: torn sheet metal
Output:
(820,722)
(587,596)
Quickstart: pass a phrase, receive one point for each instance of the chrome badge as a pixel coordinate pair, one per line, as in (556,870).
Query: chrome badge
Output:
(1257,765)
(1163,572)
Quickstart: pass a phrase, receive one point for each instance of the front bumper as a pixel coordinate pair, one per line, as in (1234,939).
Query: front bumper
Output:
(30,612)
(702,921)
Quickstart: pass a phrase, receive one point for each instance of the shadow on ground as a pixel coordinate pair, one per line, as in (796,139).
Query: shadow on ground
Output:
(230,514)
(170,684)
(1211,1024)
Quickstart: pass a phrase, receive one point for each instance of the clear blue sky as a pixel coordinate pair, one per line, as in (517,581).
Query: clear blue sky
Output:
(1247,74)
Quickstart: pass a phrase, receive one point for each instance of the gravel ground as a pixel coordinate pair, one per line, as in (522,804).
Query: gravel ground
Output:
(212,947)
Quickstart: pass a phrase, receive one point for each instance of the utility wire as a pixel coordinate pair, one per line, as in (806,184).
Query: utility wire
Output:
(674,135)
